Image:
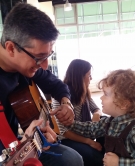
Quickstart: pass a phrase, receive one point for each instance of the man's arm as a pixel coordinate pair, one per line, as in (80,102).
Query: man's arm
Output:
(50,84)
(47,131)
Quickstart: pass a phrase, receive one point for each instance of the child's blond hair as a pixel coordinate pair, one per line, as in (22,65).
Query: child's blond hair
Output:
(123,84)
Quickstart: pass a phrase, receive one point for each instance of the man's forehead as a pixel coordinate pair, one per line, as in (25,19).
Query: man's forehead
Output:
(52,43)
(35,43)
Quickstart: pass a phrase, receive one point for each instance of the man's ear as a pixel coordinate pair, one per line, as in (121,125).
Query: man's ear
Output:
(125,105)
(9,46)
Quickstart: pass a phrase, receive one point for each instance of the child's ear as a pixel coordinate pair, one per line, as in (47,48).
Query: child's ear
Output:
(125,105)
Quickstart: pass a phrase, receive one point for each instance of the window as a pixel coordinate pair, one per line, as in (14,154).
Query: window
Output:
(63,18)
(102,33)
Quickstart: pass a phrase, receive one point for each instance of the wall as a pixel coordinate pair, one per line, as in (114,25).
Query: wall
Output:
(43,6)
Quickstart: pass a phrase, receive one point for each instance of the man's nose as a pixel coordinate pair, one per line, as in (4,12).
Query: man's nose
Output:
(44,64)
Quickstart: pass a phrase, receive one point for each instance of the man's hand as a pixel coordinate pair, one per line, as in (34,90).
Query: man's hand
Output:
(64,114)
(31,129)
(111,159)
(49,134)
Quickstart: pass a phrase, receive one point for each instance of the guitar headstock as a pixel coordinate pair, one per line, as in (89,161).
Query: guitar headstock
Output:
(30,148)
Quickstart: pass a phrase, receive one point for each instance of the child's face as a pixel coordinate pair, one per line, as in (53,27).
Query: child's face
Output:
(108,106)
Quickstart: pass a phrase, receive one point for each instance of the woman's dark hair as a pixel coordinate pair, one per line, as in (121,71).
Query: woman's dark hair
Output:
(75,80)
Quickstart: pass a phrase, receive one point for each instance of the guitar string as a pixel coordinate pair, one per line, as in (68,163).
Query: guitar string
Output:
(38,139)
(33,145)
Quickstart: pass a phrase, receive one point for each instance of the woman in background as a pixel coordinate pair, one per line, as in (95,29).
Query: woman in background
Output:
(78,76)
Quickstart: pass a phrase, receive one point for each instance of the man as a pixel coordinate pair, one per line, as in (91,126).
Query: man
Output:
(27,41)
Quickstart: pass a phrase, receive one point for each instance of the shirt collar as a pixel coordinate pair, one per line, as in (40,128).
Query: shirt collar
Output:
(123,119)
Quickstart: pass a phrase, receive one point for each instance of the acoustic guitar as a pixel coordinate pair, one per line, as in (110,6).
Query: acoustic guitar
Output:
(18,153)
(31,148)
(27,104)
(22,152)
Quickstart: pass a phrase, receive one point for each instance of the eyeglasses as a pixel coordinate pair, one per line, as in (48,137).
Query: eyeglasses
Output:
(38,61)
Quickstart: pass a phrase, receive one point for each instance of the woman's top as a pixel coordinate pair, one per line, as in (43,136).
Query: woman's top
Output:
(78,114)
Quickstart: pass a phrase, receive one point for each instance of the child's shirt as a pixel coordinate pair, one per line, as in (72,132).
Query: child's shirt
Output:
(118,124)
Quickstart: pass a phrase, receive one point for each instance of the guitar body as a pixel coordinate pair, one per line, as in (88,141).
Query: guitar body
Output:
(24,107)
(27,104)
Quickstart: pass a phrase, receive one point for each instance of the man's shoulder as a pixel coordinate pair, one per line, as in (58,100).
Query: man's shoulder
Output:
(41,72)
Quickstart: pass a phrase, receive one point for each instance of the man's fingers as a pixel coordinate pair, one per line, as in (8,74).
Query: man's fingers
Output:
(64,114)
(68,122)
(49,137)
(67,119)
(35,123)
(47,129)
(30,130)
(47,123)
(55,111)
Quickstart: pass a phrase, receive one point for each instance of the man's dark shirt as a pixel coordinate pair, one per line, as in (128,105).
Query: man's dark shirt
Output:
(47,82)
